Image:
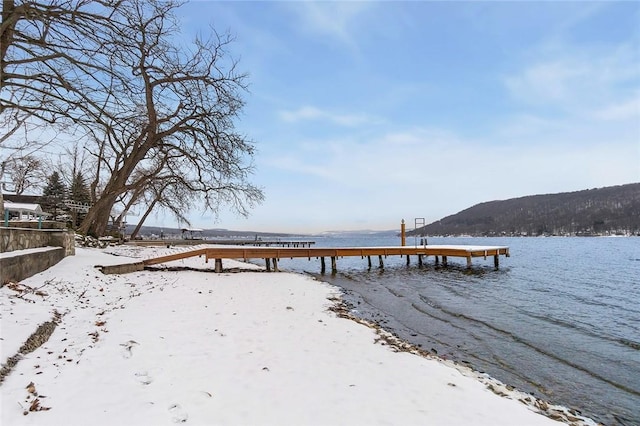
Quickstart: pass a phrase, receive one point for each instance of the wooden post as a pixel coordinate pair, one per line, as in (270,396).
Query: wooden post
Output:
(419,260)
(444,260)
(437,260)
(334,268)
(268,262)
(403,239)
(275,265)
(381,262)
(323,267)
(408,260)
(468,261)
(218,266)
(369,261)
(496,261)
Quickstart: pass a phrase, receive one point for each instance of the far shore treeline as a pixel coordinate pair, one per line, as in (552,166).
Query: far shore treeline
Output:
(613,210)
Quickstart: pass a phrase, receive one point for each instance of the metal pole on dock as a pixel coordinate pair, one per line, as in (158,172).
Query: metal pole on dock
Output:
(403,239)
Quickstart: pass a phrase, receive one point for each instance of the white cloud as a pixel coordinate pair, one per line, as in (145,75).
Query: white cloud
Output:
(576,79)
(306,113)
(334,19)
(624,109)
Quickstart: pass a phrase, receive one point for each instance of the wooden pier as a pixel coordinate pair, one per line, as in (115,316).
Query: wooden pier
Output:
(272,255)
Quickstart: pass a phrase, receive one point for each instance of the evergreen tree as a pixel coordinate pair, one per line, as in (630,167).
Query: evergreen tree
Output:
(55,187)
(79,194)
(54,193)
(79,191)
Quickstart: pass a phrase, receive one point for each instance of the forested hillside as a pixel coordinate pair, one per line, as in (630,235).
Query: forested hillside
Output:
(611,210)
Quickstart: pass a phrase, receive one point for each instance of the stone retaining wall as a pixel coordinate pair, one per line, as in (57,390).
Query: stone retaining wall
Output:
(19,267)
(12,239)
(16,266)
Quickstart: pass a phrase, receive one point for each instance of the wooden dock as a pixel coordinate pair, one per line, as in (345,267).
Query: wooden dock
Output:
(272,255)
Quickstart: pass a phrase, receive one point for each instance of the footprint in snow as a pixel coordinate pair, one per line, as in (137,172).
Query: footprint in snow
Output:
(144,378)
(128,353)
(178,415)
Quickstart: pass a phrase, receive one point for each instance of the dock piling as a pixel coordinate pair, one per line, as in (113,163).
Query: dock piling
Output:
(334,268)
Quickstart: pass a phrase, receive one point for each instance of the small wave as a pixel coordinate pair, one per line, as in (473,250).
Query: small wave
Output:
(630,343)
(520,340)
(394,292)
(434,316)
(576,327)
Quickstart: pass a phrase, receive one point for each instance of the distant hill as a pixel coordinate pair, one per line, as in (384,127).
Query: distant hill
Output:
(613,210)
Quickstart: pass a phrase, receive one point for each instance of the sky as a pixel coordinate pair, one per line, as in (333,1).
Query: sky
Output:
(367,113)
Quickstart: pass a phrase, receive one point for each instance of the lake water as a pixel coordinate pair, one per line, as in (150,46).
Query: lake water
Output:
(560,318)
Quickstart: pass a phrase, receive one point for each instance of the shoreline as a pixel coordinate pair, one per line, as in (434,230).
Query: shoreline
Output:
(296,333)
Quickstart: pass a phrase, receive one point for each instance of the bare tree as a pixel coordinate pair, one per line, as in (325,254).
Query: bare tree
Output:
(185,102)
(52,72)
(114,69)
(167,194)
(25,173)
(54,58)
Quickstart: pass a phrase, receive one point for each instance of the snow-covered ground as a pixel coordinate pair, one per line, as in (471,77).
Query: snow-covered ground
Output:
(164,347)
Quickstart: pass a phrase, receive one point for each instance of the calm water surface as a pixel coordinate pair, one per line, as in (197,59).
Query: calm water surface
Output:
(559,319)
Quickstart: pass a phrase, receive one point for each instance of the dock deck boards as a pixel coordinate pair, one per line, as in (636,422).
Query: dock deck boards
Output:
(273,254)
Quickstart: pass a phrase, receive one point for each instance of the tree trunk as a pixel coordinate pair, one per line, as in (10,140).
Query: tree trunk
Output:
(144,217)
(96,221)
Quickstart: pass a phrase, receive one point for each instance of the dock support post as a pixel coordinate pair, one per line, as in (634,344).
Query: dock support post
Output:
(381,262)
(275,265)
(334,268)
(419,260)
(437,260)
(408,260)
(496,261)
(218,265)
(323,266)
(468,262)
(444,260)
(369,261)
(268,262)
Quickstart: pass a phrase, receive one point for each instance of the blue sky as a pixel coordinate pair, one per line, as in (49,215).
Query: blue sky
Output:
(365,113)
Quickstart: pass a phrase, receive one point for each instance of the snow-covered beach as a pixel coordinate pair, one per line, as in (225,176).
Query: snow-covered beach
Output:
(164,347)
